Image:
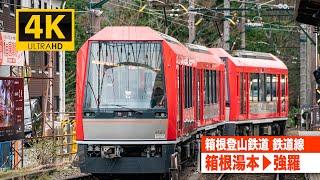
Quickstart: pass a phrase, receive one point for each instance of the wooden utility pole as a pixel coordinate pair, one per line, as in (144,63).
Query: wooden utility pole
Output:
(308,63)
(192,30)
(226,26)
(243,28)
(303,67)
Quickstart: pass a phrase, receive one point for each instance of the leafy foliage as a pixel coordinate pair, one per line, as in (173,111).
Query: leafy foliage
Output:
(81,36)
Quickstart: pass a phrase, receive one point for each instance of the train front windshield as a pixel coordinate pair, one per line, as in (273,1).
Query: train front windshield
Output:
(125,75)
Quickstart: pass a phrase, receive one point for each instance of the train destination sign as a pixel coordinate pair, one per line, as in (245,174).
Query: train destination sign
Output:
(260,154)
(45,29)
(11,109)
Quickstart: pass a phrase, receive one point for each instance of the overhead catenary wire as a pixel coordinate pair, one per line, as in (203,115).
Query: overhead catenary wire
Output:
(156,15)
(151,10)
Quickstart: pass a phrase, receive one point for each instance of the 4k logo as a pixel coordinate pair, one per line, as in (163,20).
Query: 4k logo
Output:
(45,29)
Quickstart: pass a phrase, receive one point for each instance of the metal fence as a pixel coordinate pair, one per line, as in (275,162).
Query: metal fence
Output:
(56,147)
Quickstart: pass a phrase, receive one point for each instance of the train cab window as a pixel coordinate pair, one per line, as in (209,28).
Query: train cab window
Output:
(188,90)
(254,87)
(125,75)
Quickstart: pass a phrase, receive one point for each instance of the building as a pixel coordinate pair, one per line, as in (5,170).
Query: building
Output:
(38,61)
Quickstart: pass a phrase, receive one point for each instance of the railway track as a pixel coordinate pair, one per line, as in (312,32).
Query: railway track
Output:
(81,177)
(256,176)
(28,175)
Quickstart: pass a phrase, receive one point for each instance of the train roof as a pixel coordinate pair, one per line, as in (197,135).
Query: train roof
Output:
(144,33)
(249,59)
(126,33)
(204,58)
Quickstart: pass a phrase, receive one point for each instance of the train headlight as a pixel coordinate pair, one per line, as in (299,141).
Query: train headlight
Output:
(89,114)
(160,114)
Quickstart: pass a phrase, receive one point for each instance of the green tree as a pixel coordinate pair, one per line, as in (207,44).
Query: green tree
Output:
(81,35)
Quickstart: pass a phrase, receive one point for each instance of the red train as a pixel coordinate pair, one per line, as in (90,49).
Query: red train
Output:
(144,99)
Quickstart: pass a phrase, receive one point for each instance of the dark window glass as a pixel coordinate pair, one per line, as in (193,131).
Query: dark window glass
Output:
(11,6)
(268,87)
(242,94)
(274,87)
(125,74)
(211,87)
(1,4)
(262,88)
(254,87)
(190,86)
(46,61)
(207,87)
(57,103)
(283,92)
(214,87)
(45,5)
(186,86)
(57,61)
(18,4)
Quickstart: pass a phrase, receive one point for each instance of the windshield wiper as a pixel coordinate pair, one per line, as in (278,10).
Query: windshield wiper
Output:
(123,106)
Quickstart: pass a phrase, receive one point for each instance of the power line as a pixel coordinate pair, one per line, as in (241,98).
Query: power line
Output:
(156,15)
(151,10)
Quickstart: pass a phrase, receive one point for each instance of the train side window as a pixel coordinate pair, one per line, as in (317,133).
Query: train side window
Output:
(216,86)
(207,86)
(283,92)
(262,87)
(254,87)
(268,87)
(274,87)
(242,94)
(190,86)
(188,90)
(186,86)
(283,85)
(210,87)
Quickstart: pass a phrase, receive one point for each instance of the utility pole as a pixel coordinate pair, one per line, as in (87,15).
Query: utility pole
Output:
(303,68)
(192,30)
(62,80)
(226,26)
(62,85)
(243,28)
(308,63)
